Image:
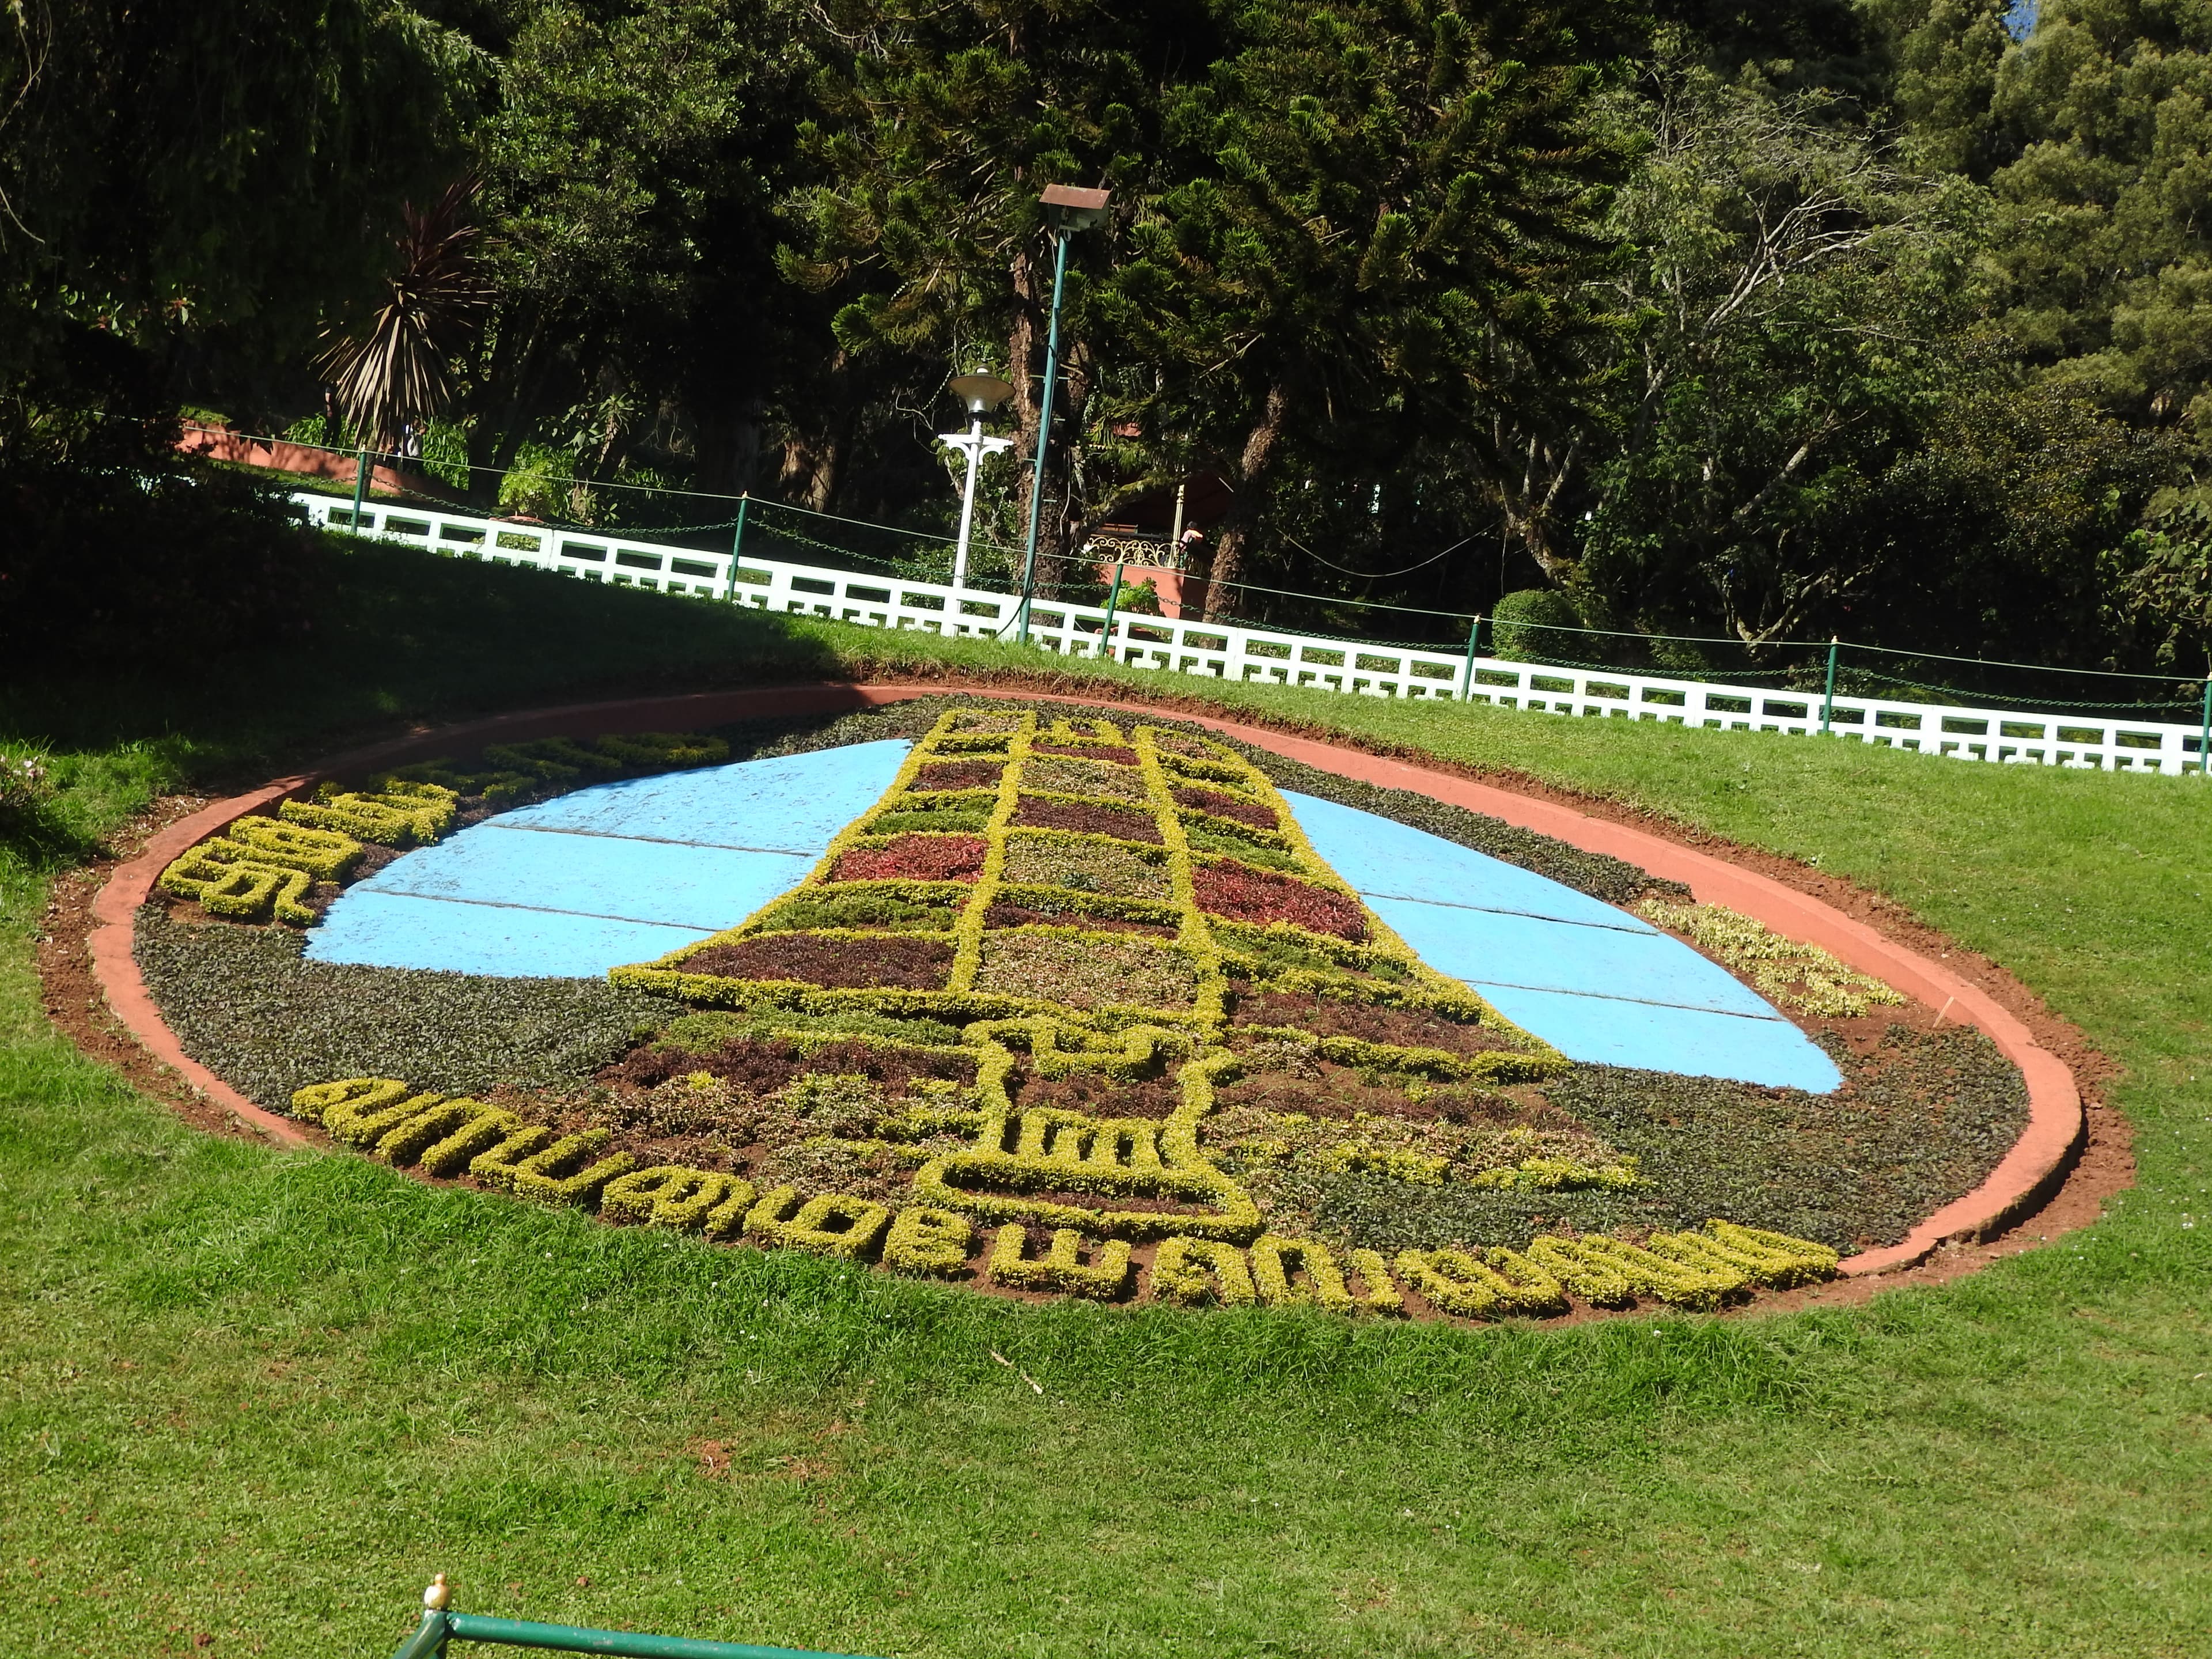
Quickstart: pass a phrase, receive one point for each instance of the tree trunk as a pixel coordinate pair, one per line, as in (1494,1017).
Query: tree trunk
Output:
(729,446)
(1025,368)
(808,477)
(1258,456)
(1531,510)
(1060,531)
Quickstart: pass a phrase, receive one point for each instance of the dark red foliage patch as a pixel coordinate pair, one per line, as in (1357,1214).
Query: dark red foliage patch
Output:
(960,774)
(1409,1028)
(1225,806)
(889,962)
(1089,817)
(1020,915)
(1243,893)
(763,1066)
(1098,752)
(914,857)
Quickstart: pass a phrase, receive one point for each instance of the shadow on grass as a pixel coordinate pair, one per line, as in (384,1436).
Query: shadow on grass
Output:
(405,635)
(40,836)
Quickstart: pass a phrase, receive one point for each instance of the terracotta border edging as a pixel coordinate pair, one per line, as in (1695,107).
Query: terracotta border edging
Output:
(2038,1160)
(114,912)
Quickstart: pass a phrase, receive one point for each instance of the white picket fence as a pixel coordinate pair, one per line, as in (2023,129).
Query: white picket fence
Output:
(1221,651)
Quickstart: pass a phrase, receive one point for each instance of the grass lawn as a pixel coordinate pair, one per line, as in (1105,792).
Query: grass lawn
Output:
(254,1400)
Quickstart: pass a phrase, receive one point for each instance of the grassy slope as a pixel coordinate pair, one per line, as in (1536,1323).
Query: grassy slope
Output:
(264,1397)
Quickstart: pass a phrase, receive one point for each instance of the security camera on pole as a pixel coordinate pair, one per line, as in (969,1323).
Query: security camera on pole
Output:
(982,393)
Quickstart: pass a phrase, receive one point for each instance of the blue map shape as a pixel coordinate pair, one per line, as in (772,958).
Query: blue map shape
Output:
(621,872)
(1597,983)
(628,871)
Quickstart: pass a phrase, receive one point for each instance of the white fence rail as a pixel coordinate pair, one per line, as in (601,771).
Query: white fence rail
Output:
(1221,651)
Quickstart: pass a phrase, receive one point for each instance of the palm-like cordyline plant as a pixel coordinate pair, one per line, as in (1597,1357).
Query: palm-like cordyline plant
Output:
(396,371)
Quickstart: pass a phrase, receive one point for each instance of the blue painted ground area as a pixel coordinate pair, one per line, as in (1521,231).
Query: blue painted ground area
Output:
(628,871)
(621,872)
(1601,985)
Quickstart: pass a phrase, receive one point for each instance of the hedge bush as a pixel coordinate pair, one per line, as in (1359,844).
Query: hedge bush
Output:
(1061,1268)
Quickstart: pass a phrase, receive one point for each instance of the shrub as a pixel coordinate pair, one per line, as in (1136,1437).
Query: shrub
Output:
(406,1141)
(959,774)
(663,751)
(1794,975)
(1766,1258)
(1197,1270)
(1373,1292)
(929,815)
(1275,1259)
(1524,627)
(927,1242)
(562,1172)
(1061,1268)
(323,853)
(402,814)
(1060,775)
(671,1195)
(1069,749)
(259,867)
(914,857)
(247,1002)
(542,484)
(1089,817)
(1611,1274)
(1087,865)
(830,959)
(453,1155)
(827,1225)
(1493,1285)
(1222,804)
(1087,970)
(318,1100)
(1241,893)
(902,906)
(495,1166)
(239,888)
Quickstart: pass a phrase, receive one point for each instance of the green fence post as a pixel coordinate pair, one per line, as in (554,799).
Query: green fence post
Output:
(1828,702)
(1466,675)
(738,542)
(428,1640)
(1113,599)
(2204,734)
(360,484)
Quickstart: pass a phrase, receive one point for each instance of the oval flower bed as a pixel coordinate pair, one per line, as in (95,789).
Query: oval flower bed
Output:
(1042,1058)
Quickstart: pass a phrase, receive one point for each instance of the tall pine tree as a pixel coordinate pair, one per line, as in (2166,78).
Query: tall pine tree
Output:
(933,150)
(1370,225)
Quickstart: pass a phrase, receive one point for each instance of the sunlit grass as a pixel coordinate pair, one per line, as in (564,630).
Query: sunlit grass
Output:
(262,1397)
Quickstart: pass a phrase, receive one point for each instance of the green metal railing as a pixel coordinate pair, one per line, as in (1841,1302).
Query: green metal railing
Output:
(442,1624)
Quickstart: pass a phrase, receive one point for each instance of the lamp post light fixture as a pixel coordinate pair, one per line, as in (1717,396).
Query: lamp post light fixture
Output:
(1070,209)
(982,393)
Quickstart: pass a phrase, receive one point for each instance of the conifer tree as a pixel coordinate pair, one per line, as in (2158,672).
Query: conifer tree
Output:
(1372,222)
(932,149)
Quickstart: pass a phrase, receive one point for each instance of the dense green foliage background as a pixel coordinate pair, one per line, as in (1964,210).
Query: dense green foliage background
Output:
(1890,319)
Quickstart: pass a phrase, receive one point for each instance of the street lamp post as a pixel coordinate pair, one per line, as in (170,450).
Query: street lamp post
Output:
(982,393)
(1070,210)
